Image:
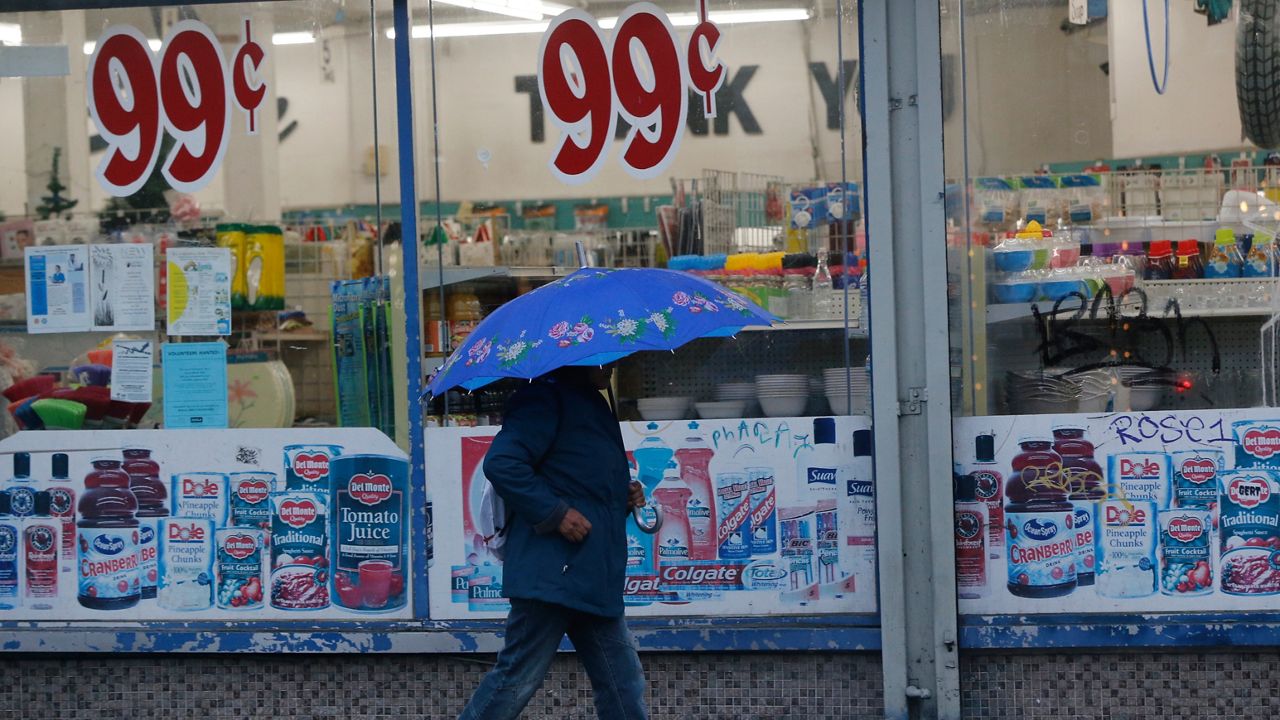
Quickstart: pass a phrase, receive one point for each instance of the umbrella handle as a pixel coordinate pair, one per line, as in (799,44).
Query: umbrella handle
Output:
(637,515)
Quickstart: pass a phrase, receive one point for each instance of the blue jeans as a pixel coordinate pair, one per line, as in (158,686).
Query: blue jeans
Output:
(534,629)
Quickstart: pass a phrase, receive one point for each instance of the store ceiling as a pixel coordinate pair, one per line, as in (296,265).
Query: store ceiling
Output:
(353,15)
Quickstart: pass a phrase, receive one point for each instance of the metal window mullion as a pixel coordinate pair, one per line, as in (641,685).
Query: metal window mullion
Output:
(906,224)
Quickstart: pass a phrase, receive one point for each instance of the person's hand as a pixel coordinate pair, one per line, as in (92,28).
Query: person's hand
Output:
(574,527)
(636,497)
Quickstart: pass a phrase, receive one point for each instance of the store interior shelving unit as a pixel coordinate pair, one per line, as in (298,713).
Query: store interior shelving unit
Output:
(1215,329)
(733,220)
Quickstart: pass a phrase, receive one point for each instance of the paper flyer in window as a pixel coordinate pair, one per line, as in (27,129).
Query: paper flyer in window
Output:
(198,294)
(57,289)
(123,287)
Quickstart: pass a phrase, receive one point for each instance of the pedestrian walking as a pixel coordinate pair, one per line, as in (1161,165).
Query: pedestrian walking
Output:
(560,466)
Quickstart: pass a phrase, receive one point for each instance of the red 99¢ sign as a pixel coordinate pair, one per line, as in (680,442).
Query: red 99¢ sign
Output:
(186,90)
(587,81)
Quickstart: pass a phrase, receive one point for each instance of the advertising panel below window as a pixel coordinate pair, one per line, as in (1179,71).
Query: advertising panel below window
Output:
(183,525)
(759,517)
(1125,512)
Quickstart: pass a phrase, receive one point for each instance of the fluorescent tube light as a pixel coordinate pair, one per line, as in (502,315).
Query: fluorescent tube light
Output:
(724,17)
(151,42)
(10,33)
(728,17)
(293,38)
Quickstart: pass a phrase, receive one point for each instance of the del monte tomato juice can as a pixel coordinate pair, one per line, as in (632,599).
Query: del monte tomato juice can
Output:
(306,467)
(370,530)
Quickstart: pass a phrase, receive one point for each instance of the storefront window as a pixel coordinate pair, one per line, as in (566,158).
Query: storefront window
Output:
(197,261)
(1112,221)
(544,132)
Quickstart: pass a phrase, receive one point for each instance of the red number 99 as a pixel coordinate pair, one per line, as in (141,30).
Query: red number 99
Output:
(194,89)
(649,79)
(124,105)
(573,79)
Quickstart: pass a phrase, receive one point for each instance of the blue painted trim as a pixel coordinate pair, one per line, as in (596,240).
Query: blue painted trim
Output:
(412,301)
(836,634)
(1080,631)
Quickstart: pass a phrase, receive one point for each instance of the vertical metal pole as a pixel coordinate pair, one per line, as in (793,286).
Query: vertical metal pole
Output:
(412,300)
(901,61)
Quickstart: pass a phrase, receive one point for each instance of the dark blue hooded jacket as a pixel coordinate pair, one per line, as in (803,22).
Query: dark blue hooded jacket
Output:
(560,447)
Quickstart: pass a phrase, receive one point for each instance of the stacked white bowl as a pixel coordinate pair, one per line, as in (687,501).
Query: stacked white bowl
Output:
(721,409)
(664,408)
(782,395)
(841,384)
(744,393)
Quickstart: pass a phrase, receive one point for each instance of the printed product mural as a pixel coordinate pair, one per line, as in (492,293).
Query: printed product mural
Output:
(204,524)
(1129,512)
(759,517)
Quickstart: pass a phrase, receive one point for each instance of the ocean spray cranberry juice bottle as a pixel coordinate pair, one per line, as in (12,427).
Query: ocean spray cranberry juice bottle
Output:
(107,540)
(144,483)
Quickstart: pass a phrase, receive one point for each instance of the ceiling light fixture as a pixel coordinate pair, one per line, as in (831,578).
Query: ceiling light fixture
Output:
(293,38)
(723,17)
(10,33)
(152,43)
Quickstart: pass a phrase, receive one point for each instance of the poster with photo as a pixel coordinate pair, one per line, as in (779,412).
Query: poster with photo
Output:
(1128,512)
(57,289)
(230,525)
(760,517)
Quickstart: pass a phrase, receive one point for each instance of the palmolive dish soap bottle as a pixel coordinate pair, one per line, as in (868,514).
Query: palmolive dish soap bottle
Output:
(695,471)
(107,539)
(672,497)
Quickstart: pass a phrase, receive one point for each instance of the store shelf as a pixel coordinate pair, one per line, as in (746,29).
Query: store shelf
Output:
(310,336)
(431,276)
(792,325)
(1018,311)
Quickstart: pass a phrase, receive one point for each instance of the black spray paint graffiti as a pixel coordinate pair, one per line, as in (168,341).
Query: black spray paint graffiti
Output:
(1069,335)
(731,101)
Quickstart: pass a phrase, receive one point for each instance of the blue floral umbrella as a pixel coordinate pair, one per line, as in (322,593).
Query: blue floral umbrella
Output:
(594,317)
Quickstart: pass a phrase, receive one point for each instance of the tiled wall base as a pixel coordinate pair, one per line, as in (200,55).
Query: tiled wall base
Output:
(1169,686)
(355,687)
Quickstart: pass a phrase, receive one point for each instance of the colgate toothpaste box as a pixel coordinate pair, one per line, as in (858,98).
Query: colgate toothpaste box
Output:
(1257,443)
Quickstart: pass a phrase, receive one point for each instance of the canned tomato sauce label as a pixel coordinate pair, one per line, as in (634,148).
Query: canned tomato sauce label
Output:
(299,543)
(306,467)
(1249,509)
(1041,550)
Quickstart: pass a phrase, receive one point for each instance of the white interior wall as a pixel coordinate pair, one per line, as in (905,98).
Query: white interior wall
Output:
(13,168)
(1035,94)
(1198,110)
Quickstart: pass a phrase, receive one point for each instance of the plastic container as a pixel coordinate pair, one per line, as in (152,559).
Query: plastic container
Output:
(464,314)
(1159,265)
(1224,259)
(1037,473)
(1261,258)
(1187,263)
(1016,288)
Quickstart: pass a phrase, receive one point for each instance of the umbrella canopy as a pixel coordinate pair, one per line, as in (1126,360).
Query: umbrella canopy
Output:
(594,317)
